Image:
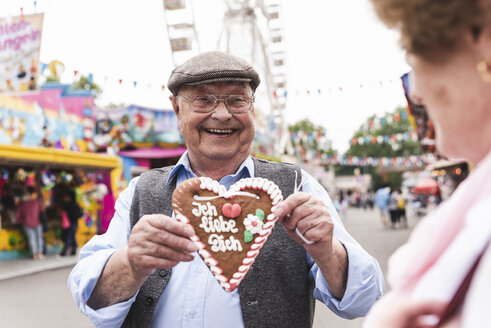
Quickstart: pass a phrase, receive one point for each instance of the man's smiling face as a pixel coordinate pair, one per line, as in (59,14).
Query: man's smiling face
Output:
(218,135)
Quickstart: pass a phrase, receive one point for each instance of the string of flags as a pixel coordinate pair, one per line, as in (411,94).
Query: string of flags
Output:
(377,123)
(415,161)
(334,88)
(276,93)
(390,139)
(120,80)
(311,136)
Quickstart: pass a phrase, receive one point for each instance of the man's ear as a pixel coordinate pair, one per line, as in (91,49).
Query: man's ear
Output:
(175,105)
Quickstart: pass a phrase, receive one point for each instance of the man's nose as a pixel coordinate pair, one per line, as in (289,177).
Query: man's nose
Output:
(221,111)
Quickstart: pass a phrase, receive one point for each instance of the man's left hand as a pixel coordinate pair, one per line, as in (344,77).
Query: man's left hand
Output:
(309,215)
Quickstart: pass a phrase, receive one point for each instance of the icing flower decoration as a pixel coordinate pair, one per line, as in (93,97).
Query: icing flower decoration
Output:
(253,224)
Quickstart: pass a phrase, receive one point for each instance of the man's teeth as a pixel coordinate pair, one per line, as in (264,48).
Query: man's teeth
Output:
(224,131)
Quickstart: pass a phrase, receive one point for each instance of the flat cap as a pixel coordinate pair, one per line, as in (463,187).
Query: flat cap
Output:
(213,66)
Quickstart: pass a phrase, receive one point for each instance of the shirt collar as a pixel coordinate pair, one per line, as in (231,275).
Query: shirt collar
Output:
(245,169)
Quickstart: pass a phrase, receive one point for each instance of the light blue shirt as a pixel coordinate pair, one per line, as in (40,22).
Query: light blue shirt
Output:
(382,197)
(193,298)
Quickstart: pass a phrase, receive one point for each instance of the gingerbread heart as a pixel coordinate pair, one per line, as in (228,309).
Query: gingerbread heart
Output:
(231,226)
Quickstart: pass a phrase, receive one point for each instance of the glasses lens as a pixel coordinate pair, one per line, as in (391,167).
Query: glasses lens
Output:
(204,103)
(238,103)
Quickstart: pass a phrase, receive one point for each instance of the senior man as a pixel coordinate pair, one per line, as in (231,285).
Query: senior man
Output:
(145,272)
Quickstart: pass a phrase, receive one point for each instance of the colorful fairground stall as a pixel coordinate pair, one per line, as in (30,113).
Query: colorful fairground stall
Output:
(45,143)
(143,137)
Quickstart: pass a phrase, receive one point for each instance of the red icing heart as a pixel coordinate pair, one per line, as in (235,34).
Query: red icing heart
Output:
(231,210)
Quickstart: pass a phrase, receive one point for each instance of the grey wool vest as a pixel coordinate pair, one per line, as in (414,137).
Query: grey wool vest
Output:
(277,291)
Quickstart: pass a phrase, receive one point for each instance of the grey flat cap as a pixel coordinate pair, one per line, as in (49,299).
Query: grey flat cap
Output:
(213,66)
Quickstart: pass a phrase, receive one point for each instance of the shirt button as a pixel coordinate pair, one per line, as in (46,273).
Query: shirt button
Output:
(199,269)
(149,301)
(192,314)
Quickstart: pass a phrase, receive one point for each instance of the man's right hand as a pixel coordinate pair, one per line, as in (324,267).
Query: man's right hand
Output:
(158,241)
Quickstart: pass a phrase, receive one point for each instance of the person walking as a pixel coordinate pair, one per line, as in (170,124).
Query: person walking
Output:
(28,214)
(382,198)
(72,210)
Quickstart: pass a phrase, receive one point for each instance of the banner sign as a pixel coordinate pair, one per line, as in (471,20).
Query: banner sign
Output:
(20,42)
(136,127)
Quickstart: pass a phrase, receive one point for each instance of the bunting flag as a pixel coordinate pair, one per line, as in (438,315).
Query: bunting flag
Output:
(335,88)
(106,79)
(416,161)
(297,136)
(393,138)
(314,92)
(377,123)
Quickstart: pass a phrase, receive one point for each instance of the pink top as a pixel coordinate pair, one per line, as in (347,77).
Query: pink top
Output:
(436,232)
(28,212)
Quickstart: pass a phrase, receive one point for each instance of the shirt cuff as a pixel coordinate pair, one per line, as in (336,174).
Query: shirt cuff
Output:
(82,282)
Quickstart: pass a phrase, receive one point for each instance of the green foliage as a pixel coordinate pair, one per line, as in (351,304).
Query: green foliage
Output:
(402,148)
(84,84)
(398,149)
(115,106)
(321,145)
(52,78)
(305,125)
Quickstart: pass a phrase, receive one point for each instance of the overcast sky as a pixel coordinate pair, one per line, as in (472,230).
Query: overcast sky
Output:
(329,45)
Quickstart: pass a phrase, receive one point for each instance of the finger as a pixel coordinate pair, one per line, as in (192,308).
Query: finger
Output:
(293,209)
(316,228)
(163,230)
(305,240)
(287,205)
(166,238)
(166,223)
(165,252)
(299,213)
(154,262)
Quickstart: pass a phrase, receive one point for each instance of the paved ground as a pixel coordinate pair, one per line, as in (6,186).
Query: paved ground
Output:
(34,294)
(366,228)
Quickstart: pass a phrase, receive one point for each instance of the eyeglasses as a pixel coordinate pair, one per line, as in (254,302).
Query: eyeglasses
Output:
(236,104)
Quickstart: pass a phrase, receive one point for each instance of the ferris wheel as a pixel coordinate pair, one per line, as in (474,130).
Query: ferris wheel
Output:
(181,30)
(252,30)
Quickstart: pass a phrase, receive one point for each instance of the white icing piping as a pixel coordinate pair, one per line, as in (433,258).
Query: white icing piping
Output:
(228,195)
(256,183)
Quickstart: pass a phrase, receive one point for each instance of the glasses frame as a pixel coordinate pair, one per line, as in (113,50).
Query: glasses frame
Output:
(217,101)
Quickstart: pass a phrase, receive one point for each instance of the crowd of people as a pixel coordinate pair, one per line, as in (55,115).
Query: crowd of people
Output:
(34,213)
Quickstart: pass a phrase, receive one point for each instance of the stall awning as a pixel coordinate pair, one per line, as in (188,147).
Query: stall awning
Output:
(149,153)
(55,158)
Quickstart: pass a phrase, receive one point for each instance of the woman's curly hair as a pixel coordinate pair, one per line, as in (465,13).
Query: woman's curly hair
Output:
(433,28)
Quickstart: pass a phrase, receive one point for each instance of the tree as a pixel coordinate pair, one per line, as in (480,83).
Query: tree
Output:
(384,131)
(392,148)
(313,137)
(86,83)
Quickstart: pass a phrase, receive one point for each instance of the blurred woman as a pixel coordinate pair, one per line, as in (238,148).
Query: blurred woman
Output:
(448,44)
(28,214)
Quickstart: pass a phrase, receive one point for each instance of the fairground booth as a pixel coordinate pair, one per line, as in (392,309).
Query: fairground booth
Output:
(45,143)
(143,137)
